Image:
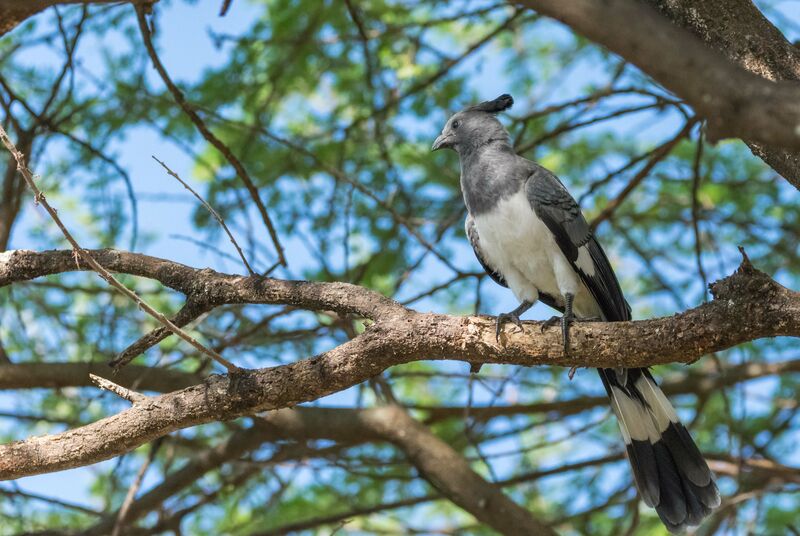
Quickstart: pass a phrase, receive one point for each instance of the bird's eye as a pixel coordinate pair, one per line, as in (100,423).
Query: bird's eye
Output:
(456,124)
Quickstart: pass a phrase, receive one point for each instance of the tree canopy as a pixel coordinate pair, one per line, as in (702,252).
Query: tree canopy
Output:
(285,311)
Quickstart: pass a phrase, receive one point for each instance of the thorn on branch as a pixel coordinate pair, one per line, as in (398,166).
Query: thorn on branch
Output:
(131,396)
(746,265)
(746,279)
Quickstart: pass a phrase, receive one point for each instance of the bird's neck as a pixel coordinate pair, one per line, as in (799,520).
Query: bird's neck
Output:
(495,150)
(499,143)
(488,175)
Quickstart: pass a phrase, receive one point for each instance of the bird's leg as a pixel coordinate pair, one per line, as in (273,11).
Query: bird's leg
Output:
(512,316)
(565,320)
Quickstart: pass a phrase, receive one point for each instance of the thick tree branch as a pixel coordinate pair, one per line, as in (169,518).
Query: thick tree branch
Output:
(449,472)
(58,375)
(748,305)
(14,12)
(740,31)
(735,102)
(216,288)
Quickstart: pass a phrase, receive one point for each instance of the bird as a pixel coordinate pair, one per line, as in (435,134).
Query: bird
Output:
(530,236)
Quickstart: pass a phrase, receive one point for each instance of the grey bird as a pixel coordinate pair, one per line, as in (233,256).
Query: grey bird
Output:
(529,235)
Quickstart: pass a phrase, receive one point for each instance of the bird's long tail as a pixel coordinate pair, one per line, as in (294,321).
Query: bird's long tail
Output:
(669,470)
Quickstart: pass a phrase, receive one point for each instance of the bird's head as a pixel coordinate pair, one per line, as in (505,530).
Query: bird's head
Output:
(474,127)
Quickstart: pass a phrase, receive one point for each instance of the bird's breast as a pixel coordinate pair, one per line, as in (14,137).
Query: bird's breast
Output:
(517,243)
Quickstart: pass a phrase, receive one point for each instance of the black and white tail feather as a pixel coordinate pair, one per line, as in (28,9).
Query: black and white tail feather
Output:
(668,468)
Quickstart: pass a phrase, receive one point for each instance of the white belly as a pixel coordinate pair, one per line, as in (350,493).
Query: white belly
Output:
(519,245)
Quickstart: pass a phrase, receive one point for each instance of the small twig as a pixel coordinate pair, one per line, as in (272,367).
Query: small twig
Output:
(190,312)
(568,125)
(209,136)
(698,246)
(212,211)
(85,256)
(223,10)
(205,246)
(50,500)
(123,392)
(119,524)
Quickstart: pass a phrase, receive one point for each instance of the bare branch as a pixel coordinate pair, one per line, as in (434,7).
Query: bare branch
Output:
(215,287)
(450,473)
(121,518)
(128,394)
(191,311)
(211,210)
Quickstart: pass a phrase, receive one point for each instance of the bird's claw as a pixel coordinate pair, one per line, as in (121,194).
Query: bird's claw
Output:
(550,322)
(565,320)
(502,318)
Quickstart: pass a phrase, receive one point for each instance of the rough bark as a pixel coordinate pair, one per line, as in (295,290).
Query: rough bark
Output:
(216,288)
(738,29)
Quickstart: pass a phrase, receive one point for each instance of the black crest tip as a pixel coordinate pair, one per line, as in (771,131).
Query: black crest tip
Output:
(501,103)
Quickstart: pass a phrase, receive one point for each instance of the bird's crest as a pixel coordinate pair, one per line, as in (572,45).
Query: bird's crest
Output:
(501,103)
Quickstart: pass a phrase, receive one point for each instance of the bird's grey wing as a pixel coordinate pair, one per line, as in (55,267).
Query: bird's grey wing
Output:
(561,214)
(475,241)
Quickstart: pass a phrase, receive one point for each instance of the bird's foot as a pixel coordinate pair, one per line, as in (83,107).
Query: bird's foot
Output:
(566,321)
(502,318)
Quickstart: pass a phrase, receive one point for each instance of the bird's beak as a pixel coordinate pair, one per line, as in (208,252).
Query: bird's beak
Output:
(442,141)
